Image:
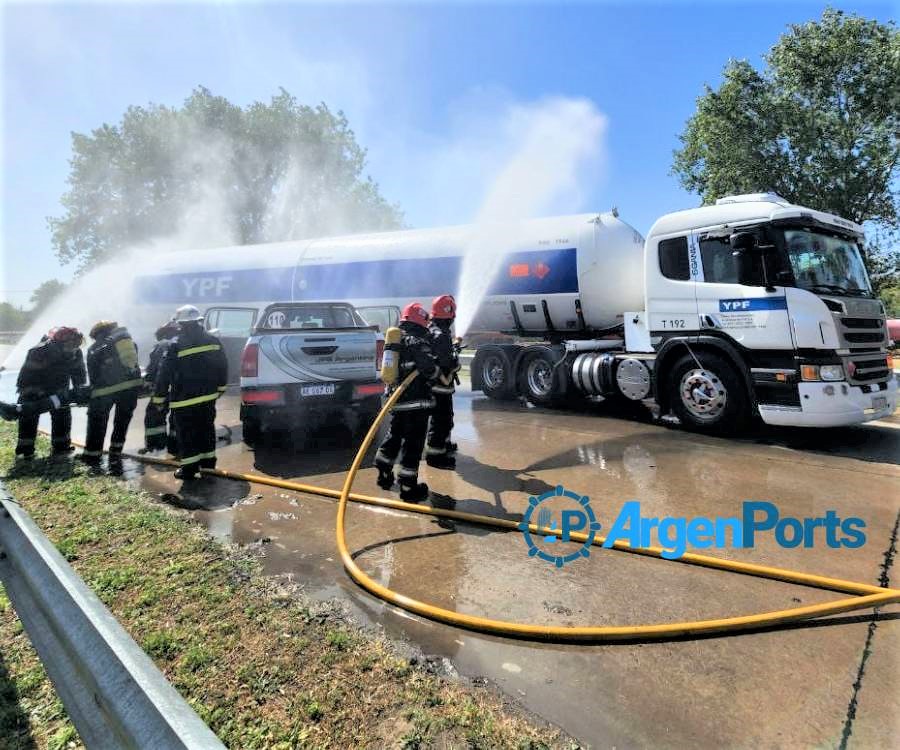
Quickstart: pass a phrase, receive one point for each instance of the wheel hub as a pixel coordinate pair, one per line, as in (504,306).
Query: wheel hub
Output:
(540,377)
(703,394)
(493,372)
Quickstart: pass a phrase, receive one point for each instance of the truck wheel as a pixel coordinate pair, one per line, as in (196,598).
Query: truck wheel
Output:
(497,379)
(252,431)
(539,378)
(708,397)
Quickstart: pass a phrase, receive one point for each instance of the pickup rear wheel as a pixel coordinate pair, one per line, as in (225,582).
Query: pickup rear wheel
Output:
(707,394)
(252,430)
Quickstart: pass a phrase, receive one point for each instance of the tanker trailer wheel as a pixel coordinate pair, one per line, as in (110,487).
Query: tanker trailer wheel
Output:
(496,373)
(708,396)
(540,380)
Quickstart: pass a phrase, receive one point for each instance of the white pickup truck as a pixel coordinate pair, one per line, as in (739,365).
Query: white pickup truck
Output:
(305,361)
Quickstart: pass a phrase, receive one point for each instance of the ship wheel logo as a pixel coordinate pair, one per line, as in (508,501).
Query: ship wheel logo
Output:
(558,513)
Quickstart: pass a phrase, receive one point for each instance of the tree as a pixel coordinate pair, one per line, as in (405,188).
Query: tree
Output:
(820,125)
(45,294)
(213,173)
(12,318)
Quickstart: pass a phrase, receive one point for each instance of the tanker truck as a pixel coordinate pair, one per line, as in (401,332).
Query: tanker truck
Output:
(749,307)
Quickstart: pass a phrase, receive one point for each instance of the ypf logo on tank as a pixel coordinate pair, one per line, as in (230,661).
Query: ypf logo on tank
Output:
(561,512)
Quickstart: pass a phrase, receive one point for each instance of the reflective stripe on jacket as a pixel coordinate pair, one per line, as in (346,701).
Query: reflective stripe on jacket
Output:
(192,371)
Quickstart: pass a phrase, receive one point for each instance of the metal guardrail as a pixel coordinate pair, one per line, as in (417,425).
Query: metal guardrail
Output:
(112,691)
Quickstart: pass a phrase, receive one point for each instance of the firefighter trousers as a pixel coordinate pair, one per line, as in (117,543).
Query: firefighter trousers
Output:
(60,430)
(156,436)
(98,412)
(406,439)
(195,431)
(441,424)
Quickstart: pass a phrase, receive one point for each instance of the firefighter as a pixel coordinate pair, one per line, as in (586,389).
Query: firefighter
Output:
(192,375)
(112,365)
(439,450)
(51,369)
(156,437)
(409,419)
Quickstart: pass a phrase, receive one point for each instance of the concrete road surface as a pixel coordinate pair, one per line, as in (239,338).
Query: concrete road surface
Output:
(833,683)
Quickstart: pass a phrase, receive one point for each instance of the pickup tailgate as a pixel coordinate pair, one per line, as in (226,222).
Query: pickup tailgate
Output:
(320,356)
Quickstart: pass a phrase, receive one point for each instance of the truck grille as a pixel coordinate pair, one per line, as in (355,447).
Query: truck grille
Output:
(862,331)
(869,370)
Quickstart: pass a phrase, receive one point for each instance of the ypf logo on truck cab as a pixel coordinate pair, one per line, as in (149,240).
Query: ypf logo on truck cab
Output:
(752,305)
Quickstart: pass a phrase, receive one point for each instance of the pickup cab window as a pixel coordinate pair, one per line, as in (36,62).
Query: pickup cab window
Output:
(308,316)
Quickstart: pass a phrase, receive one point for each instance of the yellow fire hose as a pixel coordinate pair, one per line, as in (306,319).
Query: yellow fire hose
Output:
(864,595)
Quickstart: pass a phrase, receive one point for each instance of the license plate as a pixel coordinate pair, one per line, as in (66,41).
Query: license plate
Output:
(325,389)
(879,402)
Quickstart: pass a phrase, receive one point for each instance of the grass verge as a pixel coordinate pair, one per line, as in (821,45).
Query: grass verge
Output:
(259,664)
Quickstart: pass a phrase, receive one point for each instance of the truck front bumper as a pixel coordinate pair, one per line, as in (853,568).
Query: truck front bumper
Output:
(845,405)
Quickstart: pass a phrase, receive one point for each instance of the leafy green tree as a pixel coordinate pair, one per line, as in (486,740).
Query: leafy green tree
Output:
(820,125)
(45,294)
(211,172)
(12,318)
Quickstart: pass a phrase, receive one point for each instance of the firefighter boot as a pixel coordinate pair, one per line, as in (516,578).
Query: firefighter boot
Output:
(9,412)
(385,474)
(412,491)
(441,461)
(451,446)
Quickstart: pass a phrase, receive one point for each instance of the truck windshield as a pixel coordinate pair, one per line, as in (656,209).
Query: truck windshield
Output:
(826,263)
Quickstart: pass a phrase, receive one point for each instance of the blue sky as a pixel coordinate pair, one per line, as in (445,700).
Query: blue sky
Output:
(425,87)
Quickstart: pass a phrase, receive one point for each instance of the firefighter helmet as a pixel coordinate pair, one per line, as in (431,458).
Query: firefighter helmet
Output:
(187,314)
(100,326)
(443,307)
(414,313)
(167,330)
(65,335)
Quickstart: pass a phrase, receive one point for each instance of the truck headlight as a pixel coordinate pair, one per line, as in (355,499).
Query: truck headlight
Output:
(822,372)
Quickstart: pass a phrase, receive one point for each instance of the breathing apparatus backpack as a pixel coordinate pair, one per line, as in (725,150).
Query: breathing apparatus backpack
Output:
(390,361)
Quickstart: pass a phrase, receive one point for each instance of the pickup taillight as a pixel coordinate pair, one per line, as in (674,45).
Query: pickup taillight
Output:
(270,396)
(250,361)
(379,352)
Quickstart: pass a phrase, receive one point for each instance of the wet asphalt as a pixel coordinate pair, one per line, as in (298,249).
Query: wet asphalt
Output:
(833,683)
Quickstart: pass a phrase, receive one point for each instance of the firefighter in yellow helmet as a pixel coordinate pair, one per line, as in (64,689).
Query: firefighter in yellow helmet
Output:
(192,375)
(115,378)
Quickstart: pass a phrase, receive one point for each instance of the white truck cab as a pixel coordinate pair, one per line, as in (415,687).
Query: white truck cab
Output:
(782,293)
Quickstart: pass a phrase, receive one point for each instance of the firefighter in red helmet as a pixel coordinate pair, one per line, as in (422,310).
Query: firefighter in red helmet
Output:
(409,419)
(439,450)
(51,369)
